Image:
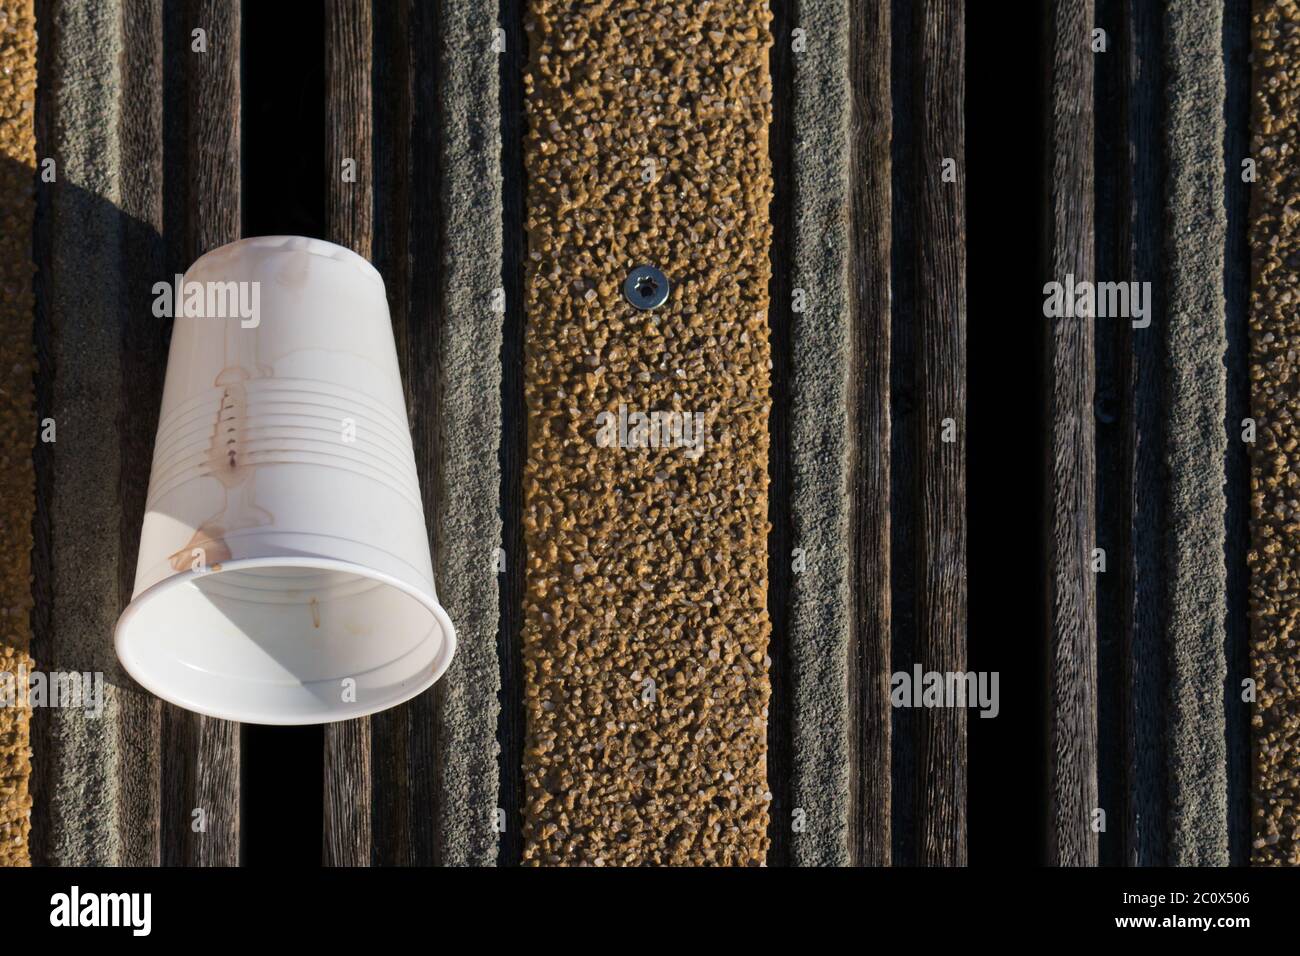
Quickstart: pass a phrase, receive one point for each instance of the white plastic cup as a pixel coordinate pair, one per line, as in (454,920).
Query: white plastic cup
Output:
(284,574)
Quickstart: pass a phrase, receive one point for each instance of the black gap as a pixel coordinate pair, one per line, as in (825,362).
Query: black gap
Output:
(1145,676)
(174,808)
(390,817)
(780,722)
(510,722)
(42,568)
(1005,102)
(424,328)
(283,193)
(1110,156)
(1236,283)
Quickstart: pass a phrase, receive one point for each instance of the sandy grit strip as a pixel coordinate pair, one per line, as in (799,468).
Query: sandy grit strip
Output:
(471,410)
(1275,457)
(1196,577)
(646,627)
(17,411)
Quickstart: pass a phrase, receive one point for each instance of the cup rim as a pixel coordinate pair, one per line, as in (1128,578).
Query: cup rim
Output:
(323,715)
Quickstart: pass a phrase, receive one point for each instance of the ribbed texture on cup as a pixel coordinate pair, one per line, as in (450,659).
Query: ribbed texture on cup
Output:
(280,421)
(283,430)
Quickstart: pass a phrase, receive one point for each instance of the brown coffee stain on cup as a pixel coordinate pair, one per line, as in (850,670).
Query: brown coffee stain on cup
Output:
(227,463)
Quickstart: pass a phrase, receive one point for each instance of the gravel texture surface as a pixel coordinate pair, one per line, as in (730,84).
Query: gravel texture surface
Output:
(1196,581)
(1275,457)
(17,416)
(819,438)
(82,758)
(646,626)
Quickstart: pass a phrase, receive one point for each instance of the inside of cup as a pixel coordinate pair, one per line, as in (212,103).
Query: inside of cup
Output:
(283,644)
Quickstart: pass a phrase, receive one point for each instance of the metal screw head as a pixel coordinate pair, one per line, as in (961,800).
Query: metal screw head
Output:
(646,287)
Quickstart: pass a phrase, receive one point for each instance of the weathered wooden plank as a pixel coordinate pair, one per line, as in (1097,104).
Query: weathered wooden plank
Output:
(201,754)
(904,25)
(349,175)
(941,423)
(870,226)
(144,359)
(1070,459)
(1112,476)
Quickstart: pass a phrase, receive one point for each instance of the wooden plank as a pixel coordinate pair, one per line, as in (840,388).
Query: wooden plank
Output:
(1113,475)
(391,813)
(870,249)
(403,743)
(941,420)
(201,754)
(1070,461)
(144,359)
(904,24)
(349,222)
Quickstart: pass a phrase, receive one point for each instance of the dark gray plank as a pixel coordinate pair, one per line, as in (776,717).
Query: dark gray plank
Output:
(201,754)
(1070,465)
(941,393)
